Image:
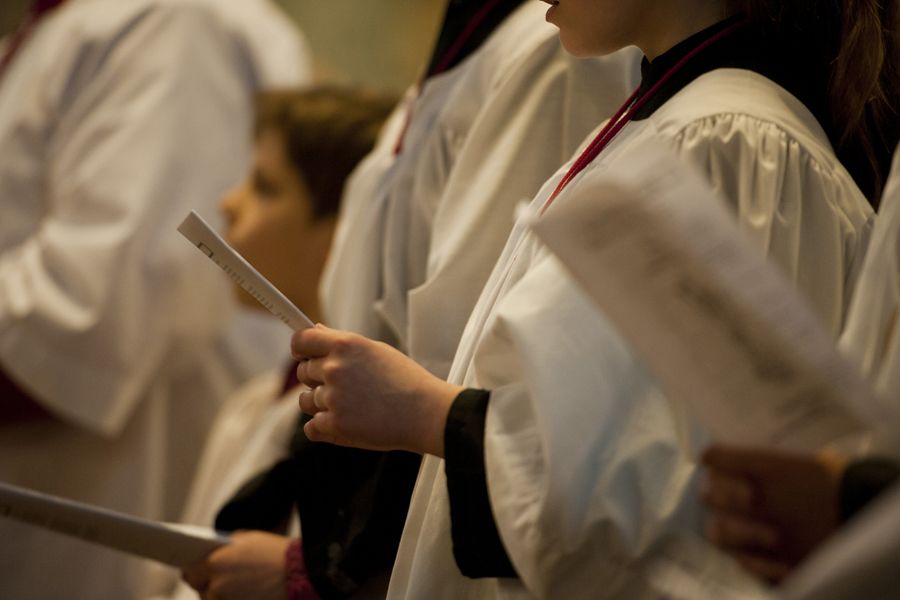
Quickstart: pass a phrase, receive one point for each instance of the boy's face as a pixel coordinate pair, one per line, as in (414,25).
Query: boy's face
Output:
(270,222)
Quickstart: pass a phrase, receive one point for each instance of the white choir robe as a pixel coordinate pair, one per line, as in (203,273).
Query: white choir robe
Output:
(590,473)
(351,278)
(354,280)
(861,561)
(871,337)
(279,52)
(116,118)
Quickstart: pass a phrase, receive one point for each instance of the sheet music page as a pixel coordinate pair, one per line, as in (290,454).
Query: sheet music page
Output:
(721,328)
(173,544)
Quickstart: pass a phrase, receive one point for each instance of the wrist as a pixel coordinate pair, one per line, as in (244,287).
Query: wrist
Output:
(434,418)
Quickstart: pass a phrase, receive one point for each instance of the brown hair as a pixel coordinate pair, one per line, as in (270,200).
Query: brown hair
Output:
(856,42)
(327,131)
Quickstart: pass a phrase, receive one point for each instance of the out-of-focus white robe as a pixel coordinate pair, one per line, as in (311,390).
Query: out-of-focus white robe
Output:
(871,337)
(116,118)
(589,473)
(862,560)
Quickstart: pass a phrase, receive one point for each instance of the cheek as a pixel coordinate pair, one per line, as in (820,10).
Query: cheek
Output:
(247,234)
(237,235)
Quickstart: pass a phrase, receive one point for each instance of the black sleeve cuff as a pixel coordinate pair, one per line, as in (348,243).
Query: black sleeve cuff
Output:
(477,547)
(863,481)
(17,405)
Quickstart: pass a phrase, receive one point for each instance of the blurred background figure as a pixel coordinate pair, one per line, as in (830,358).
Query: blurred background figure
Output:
(376,43)
(117,344)
(281,218)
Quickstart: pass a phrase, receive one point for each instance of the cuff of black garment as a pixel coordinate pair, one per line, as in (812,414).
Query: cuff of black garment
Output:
(863,481)
(17,405)
(477,547)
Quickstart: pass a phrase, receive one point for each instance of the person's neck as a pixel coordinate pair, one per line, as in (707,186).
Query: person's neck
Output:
(678,24)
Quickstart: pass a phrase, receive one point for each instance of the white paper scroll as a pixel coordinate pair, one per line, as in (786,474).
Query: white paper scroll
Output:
(176,545)
(199,233)
(721,328)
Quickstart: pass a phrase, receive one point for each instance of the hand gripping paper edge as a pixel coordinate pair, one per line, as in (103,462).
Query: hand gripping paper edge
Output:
(204,237)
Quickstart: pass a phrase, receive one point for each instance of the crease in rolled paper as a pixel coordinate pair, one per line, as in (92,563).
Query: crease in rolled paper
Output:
(205,238)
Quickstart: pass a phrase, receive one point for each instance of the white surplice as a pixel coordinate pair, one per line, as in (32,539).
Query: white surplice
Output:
(862,560)
(351,279)
(116,118)
(871,338)
(589,473)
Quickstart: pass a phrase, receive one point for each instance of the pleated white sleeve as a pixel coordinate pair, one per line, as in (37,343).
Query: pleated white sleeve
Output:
(791,195)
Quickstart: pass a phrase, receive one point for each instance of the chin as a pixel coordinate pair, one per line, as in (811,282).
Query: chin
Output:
(579,49)
(578,44)
(576,47)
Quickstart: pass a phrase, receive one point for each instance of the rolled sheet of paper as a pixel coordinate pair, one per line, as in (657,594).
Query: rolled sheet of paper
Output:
(720,327)
(168,543)
(199,233)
